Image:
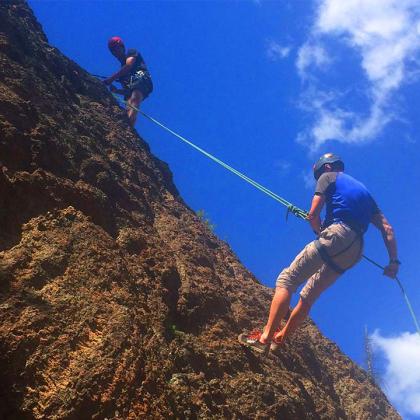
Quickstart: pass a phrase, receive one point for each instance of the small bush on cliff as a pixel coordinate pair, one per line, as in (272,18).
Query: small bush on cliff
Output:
(203,217)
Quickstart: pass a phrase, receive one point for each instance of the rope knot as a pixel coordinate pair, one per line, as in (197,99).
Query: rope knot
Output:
(296,211)
(291,209)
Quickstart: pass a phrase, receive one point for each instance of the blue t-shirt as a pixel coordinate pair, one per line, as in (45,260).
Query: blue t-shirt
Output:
(347,200)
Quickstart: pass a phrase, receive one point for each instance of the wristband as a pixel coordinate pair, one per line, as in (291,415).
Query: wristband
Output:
(395,261)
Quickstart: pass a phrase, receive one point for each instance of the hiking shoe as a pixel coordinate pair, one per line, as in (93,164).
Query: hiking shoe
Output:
(252,340)
(275,347)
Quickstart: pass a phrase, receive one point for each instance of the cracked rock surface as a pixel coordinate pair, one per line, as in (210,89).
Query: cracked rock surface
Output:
(116,300)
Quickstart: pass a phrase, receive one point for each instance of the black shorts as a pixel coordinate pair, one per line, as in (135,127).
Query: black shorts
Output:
(141,82)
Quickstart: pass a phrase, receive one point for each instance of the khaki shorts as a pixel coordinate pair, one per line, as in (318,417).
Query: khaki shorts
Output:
(343,245)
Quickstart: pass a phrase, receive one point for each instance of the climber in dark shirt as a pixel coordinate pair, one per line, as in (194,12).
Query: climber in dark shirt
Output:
(133,76)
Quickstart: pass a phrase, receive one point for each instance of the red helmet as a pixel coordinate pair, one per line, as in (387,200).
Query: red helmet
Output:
(115,41)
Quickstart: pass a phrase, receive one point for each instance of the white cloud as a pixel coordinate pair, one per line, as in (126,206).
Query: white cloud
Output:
(385,35)
(275,51)
(402,373)
(311,55)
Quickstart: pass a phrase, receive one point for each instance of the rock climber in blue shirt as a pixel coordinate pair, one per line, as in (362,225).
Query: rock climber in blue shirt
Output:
(339,246)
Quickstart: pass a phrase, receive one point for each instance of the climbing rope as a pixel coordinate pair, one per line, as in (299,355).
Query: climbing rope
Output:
(302,214)
(407,301)
(290,207)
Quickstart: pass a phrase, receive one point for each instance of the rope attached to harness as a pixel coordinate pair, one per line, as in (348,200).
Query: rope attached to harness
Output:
(302,214)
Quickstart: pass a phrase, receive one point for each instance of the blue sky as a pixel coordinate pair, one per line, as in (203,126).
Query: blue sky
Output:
(268,87)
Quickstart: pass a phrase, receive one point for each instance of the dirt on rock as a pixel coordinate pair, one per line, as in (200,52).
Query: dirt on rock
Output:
(116,300)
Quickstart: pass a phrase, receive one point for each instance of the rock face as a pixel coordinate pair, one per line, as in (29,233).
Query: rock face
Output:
(116,301)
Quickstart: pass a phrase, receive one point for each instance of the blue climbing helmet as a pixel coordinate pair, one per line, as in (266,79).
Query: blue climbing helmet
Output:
(327,158)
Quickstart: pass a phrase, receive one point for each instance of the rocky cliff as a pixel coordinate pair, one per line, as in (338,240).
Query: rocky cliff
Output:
(116,301)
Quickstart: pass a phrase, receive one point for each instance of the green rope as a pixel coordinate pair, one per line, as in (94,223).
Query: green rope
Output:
(302,214)
(407,301)
(290,207)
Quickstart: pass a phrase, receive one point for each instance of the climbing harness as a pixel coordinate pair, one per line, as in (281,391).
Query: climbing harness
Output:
(134,80)
(302,214)
(328,259)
